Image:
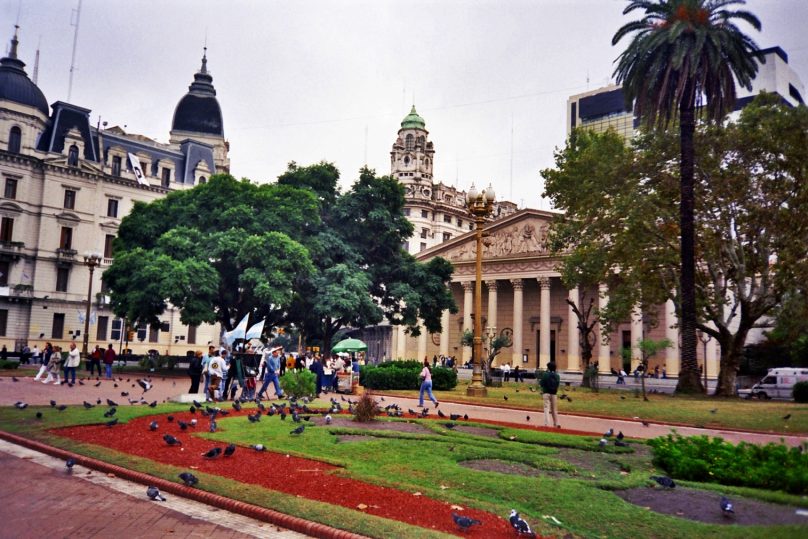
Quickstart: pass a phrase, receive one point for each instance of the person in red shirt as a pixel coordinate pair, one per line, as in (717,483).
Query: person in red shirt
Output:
(109,359)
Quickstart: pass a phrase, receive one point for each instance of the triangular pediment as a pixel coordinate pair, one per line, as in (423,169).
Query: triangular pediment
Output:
(521,234)
(83,166)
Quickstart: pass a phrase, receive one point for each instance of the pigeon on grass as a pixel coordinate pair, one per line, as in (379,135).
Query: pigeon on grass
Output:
(212,453)
(299,430)
(69,463)
(664,481)
(520,525)
(189,479)
(464,522)
(170,440)
(726,506)
(154,494)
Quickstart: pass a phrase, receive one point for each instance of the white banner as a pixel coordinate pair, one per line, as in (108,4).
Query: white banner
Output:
(141,178)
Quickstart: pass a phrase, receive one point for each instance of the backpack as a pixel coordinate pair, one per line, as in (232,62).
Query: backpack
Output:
(551,383)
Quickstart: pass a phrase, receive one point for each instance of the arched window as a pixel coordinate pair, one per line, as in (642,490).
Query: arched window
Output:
(14,140)
(202,180)
(409,142)
(73,156)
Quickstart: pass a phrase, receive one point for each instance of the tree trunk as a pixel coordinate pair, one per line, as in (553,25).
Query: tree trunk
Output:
(731,355)
(689,380)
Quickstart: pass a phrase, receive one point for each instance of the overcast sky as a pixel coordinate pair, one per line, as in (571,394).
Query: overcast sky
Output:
(331,80)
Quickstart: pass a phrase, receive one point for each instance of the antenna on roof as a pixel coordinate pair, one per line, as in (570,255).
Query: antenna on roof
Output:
(77,11)
(36,61)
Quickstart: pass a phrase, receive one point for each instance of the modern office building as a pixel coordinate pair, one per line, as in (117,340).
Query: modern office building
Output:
(66,185)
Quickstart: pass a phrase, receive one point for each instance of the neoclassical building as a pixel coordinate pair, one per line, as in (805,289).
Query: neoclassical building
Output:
(66,185)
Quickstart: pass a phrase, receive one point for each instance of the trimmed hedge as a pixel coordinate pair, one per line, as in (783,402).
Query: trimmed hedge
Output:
(404,375)
(701,458)
(800,392)
(9,364)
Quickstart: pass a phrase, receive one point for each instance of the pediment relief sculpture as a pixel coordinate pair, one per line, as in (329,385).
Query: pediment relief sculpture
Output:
(526,237)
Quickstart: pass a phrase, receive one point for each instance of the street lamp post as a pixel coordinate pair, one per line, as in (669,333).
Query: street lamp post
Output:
(705,338)
(480,206)
(91,260)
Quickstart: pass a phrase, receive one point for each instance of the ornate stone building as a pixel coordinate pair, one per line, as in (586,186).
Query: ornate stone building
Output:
(66,185)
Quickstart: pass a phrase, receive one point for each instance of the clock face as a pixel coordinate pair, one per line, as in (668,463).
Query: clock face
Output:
(507,332)
(436,339)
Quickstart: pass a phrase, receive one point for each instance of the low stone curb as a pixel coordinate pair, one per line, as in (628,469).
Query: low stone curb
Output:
(270,516)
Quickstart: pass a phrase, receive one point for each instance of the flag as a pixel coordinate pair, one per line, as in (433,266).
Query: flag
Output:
(255,331)
(238,332)
(141,178)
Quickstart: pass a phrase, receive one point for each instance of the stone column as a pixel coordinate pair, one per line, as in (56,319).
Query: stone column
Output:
(636,337)
(445,320)
(422,342)
(492,304)
(672,334)
(518,322)
(468,302)
(604,357)
(573,335)
(544,322)
(401,343)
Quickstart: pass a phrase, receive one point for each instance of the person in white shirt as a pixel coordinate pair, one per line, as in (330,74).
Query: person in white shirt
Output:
(506,371)
(216,370)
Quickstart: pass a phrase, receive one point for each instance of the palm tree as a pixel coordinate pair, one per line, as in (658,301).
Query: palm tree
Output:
(683,55)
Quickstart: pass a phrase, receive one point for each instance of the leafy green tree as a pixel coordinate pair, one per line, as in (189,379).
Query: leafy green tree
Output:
(682,50)
(216,252)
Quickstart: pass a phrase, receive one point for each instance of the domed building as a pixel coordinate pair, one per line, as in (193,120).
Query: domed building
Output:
(66,185)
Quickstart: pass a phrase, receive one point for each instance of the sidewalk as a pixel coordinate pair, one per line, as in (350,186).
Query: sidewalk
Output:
(40,499)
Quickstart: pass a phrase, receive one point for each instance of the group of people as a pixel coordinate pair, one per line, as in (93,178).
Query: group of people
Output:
(53,363)
(518,374)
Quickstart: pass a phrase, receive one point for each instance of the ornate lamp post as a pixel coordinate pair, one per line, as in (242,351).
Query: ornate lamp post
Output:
(480,206)
(91,260)
(705,338)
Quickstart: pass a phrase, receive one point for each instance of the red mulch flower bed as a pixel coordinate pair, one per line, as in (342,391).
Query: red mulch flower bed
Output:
(307,478)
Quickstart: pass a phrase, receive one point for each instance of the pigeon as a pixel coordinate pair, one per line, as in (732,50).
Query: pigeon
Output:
(124,393)
(192,423)
(69,463)
(506,398)
(664,481)
(283,415)
(328,419)
(608,433)
(213,426)
(21,405)
(88,405)
(153,425)
(197,403)
(254,418)
(39,415)
(527,418)
(53,403)
(620,443)
(145,384)
(259,447)
(189,479)
(170,440)
(81,383)
(112,423)
(110,412)
(98,402)
(463,522)
(183,425)
(236,406)
(212,453)
(520,525)
(646,424)
(441,414)
(97,384)
(61,407)
(170,418)
(154,494)
(111,403)
(192,409)
(454,417)
(15,379)
(153,404)
(726,506)
(299,430)
(449,426)
(465,417)
(786,417)
(229,450)
(620,435)
(562,397)
(603,442)
(714,411)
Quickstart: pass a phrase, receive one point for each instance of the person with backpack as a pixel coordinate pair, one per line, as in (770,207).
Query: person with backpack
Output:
(549,387)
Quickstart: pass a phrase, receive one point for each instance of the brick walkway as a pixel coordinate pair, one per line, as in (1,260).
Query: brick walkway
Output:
(40,499)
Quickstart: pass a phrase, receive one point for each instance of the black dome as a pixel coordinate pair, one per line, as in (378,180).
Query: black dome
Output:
(16,86)
(198,111)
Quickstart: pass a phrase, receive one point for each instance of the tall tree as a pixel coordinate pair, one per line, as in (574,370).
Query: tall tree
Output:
(682,50)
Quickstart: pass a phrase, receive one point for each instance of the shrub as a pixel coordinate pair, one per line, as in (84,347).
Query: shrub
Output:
(9,364)
(800,392)
(443,379)
(700,458)
(366,409)
(404,375)
(299,383)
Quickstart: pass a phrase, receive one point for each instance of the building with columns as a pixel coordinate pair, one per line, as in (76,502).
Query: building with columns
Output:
(66,185)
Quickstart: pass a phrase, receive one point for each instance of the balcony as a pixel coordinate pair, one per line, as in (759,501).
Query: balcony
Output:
(65,257)
(11,250)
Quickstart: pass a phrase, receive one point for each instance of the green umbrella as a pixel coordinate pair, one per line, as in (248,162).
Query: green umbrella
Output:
(350,345)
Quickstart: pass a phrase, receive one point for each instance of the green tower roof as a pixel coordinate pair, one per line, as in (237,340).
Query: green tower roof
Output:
(413,121)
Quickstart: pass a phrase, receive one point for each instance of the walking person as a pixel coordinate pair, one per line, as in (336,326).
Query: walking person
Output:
(205,363)
(109,359)
(271,365)
(54,367)
(549,387)
(73,361)
(95,360)
(426,385)
(195,371)
(317,368)
(43,361)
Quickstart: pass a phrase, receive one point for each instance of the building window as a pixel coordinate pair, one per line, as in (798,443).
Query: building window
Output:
(108,251)
(409,142)
(425,214)
(154,333)
(6,229)
(15,140)
(5,269)
(423,246)
(471,226)
(11,188)
(447,236)
(73,156)
(202,180)
(406,246)
(141,333)
(62,276)
(58,329)
(70,199)
(101,328)
(424,232)
(166,177)
(115,334)
(116,165)
(66,239)
(447,218)
(459,221)
(191,334)
(112,208)
(3,322)
(407,212)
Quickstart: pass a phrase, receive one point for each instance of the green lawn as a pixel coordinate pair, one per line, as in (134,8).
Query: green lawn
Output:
(764,416)
(574,483)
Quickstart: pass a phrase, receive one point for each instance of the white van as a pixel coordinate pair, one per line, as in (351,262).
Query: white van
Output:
(777,384)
